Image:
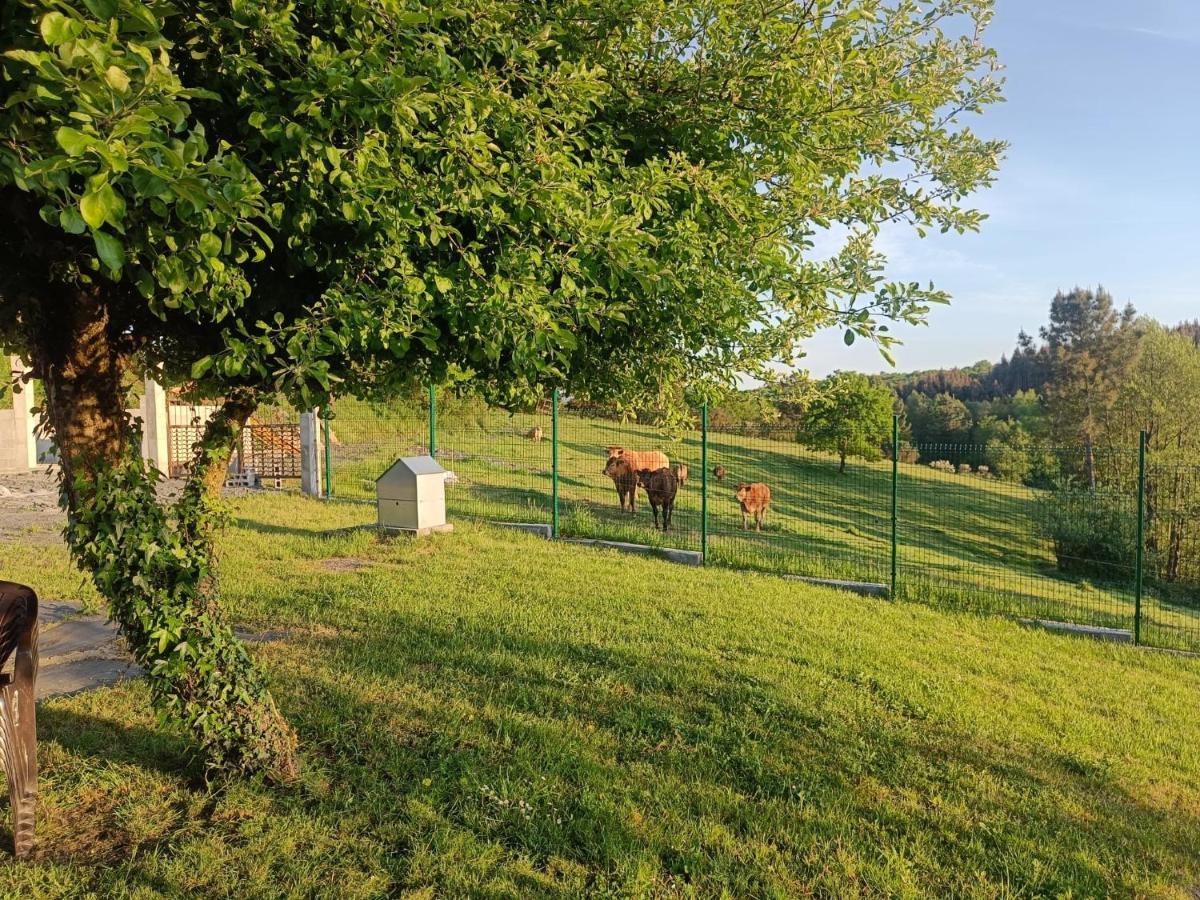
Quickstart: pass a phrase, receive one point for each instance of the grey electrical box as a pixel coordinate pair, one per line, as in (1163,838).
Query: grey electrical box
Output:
(411,495)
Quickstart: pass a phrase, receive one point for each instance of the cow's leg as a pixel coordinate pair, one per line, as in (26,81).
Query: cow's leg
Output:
(668,509)
(654,507)
(743,518)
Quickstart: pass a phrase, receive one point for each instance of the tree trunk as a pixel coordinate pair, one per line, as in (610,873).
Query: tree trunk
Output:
(842,466)
(1089,462)
(156,571)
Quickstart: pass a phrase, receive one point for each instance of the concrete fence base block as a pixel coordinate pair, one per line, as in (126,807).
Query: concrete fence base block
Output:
(416,532)
(540,530)
(683,557)
(1097,632)
(866,588)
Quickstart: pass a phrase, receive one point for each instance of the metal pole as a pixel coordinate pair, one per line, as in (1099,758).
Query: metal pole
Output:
(554,463)
(704,481)
(326,413)
(895,486)
(432,420)
(1141,529)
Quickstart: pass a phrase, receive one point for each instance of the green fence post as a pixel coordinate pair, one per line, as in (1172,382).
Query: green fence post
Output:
(895,486)
(325,430)
(1141,529)
(704,481)
(554,464)
(432,420)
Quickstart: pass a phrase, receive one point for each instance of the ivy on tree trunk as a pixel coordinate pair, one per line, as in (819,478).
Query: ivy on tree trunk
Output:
(155,565)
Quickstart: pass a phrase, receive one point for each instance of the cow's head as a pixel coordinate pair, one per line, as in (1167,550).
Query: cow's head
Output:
(617,466)
(743,491)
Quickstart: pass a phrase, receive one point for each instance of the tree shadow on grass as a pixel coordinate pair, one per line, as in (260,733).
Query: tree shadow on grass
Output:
(601,735)
(85,828)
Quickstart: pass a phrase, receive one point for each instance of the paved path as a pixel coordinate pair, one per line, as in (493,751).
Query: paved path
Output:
(80,652)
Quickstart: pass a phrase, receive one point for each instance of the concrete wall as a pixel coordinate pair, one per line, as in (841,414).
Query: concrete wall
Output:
(18,442)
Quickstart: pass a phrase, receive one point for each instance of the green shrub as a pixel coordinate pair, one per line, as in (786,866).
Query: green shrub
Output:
(1093,532)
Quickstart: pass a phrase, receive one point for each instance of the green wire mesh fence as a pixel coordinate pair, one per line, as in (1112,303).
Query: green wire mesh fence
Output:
(1049,533)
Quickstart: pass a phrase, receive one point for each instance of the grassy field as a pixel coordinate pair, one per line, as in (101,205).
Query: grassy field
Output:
(487,714)
(963,541)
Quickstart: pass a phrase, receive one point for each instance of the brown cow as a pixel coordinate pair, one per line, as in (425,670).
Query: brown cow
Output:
(661,487)
(535,434)
(641,460)
(680,471)
(719,472)
(754,497)
(625,479)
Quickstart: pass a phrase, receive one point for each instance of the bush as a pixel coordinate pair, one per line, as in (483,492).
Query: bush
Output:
(964,468)
(983,471)
(1093,533)
(942,465)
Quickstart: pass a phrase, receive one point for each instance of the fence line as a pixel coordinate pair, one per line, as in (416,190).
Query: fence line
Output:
(926,522)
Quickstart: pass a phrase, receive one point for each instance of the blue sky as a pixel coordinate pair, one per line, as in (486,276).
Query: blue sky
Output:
(1100,184)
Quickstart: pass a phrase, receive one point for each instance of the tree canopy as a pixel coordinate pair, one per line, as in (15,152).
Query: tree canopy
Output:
(344,196)
(848,414)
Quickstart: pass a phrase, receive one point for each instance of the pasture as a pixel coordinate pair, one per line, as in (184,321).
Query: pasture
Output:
(964,541)
(489,714)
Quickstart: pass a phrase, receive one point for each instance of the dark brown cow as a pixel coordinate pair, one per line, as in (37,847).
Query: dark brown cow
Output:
(625,479)
(661,487)
(754,497)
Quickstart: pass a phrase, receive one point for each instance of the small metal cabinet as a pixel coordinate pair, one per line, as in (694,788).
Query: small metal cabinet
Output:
(411,495)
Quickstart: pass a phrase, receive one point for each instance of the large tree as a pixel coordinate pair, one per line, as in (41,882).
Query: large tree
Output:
(616,196)
(1092,348)
(848,414)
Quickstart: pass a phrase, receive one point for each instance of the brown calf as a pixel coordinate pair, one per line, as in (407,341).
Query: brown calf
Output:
(535,434)
(625,479)
(754,498)
(661,487)
(641,460)
(680,471)
(719,472)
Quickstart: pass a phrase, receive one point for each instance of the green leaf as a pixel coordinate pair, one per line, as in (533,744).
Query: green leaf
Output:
(101,9)
(71,221)
(117,79)
(58,29)
(110,250)
(73,141)
(201,366)
(443,284)
(102,205)
(848,337)
(210,244)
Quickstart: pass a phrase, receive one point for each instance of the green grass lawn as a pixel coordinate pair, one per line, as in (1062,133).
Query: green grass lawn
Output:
(963,541)
(488,714)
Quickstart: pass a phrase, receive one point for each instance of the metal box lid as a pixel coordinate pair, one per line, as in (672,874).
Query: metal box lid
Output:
(410,477)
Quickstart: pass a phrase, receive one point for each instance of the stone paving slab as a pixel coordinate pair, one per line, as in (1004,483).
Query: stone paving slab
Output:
(76,635)
(85,674)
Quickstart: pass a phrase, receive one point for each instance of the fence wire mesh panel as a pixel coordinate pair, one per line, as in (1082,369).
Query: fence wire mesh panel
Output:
(365,438)
(1171,605)
(591,503)
(1064,551)
(818,517)
(1032,532)
(501,461)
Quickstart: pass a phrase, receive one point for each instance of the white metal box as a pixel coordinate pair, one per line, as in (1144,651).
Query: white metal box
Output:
(411,495)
